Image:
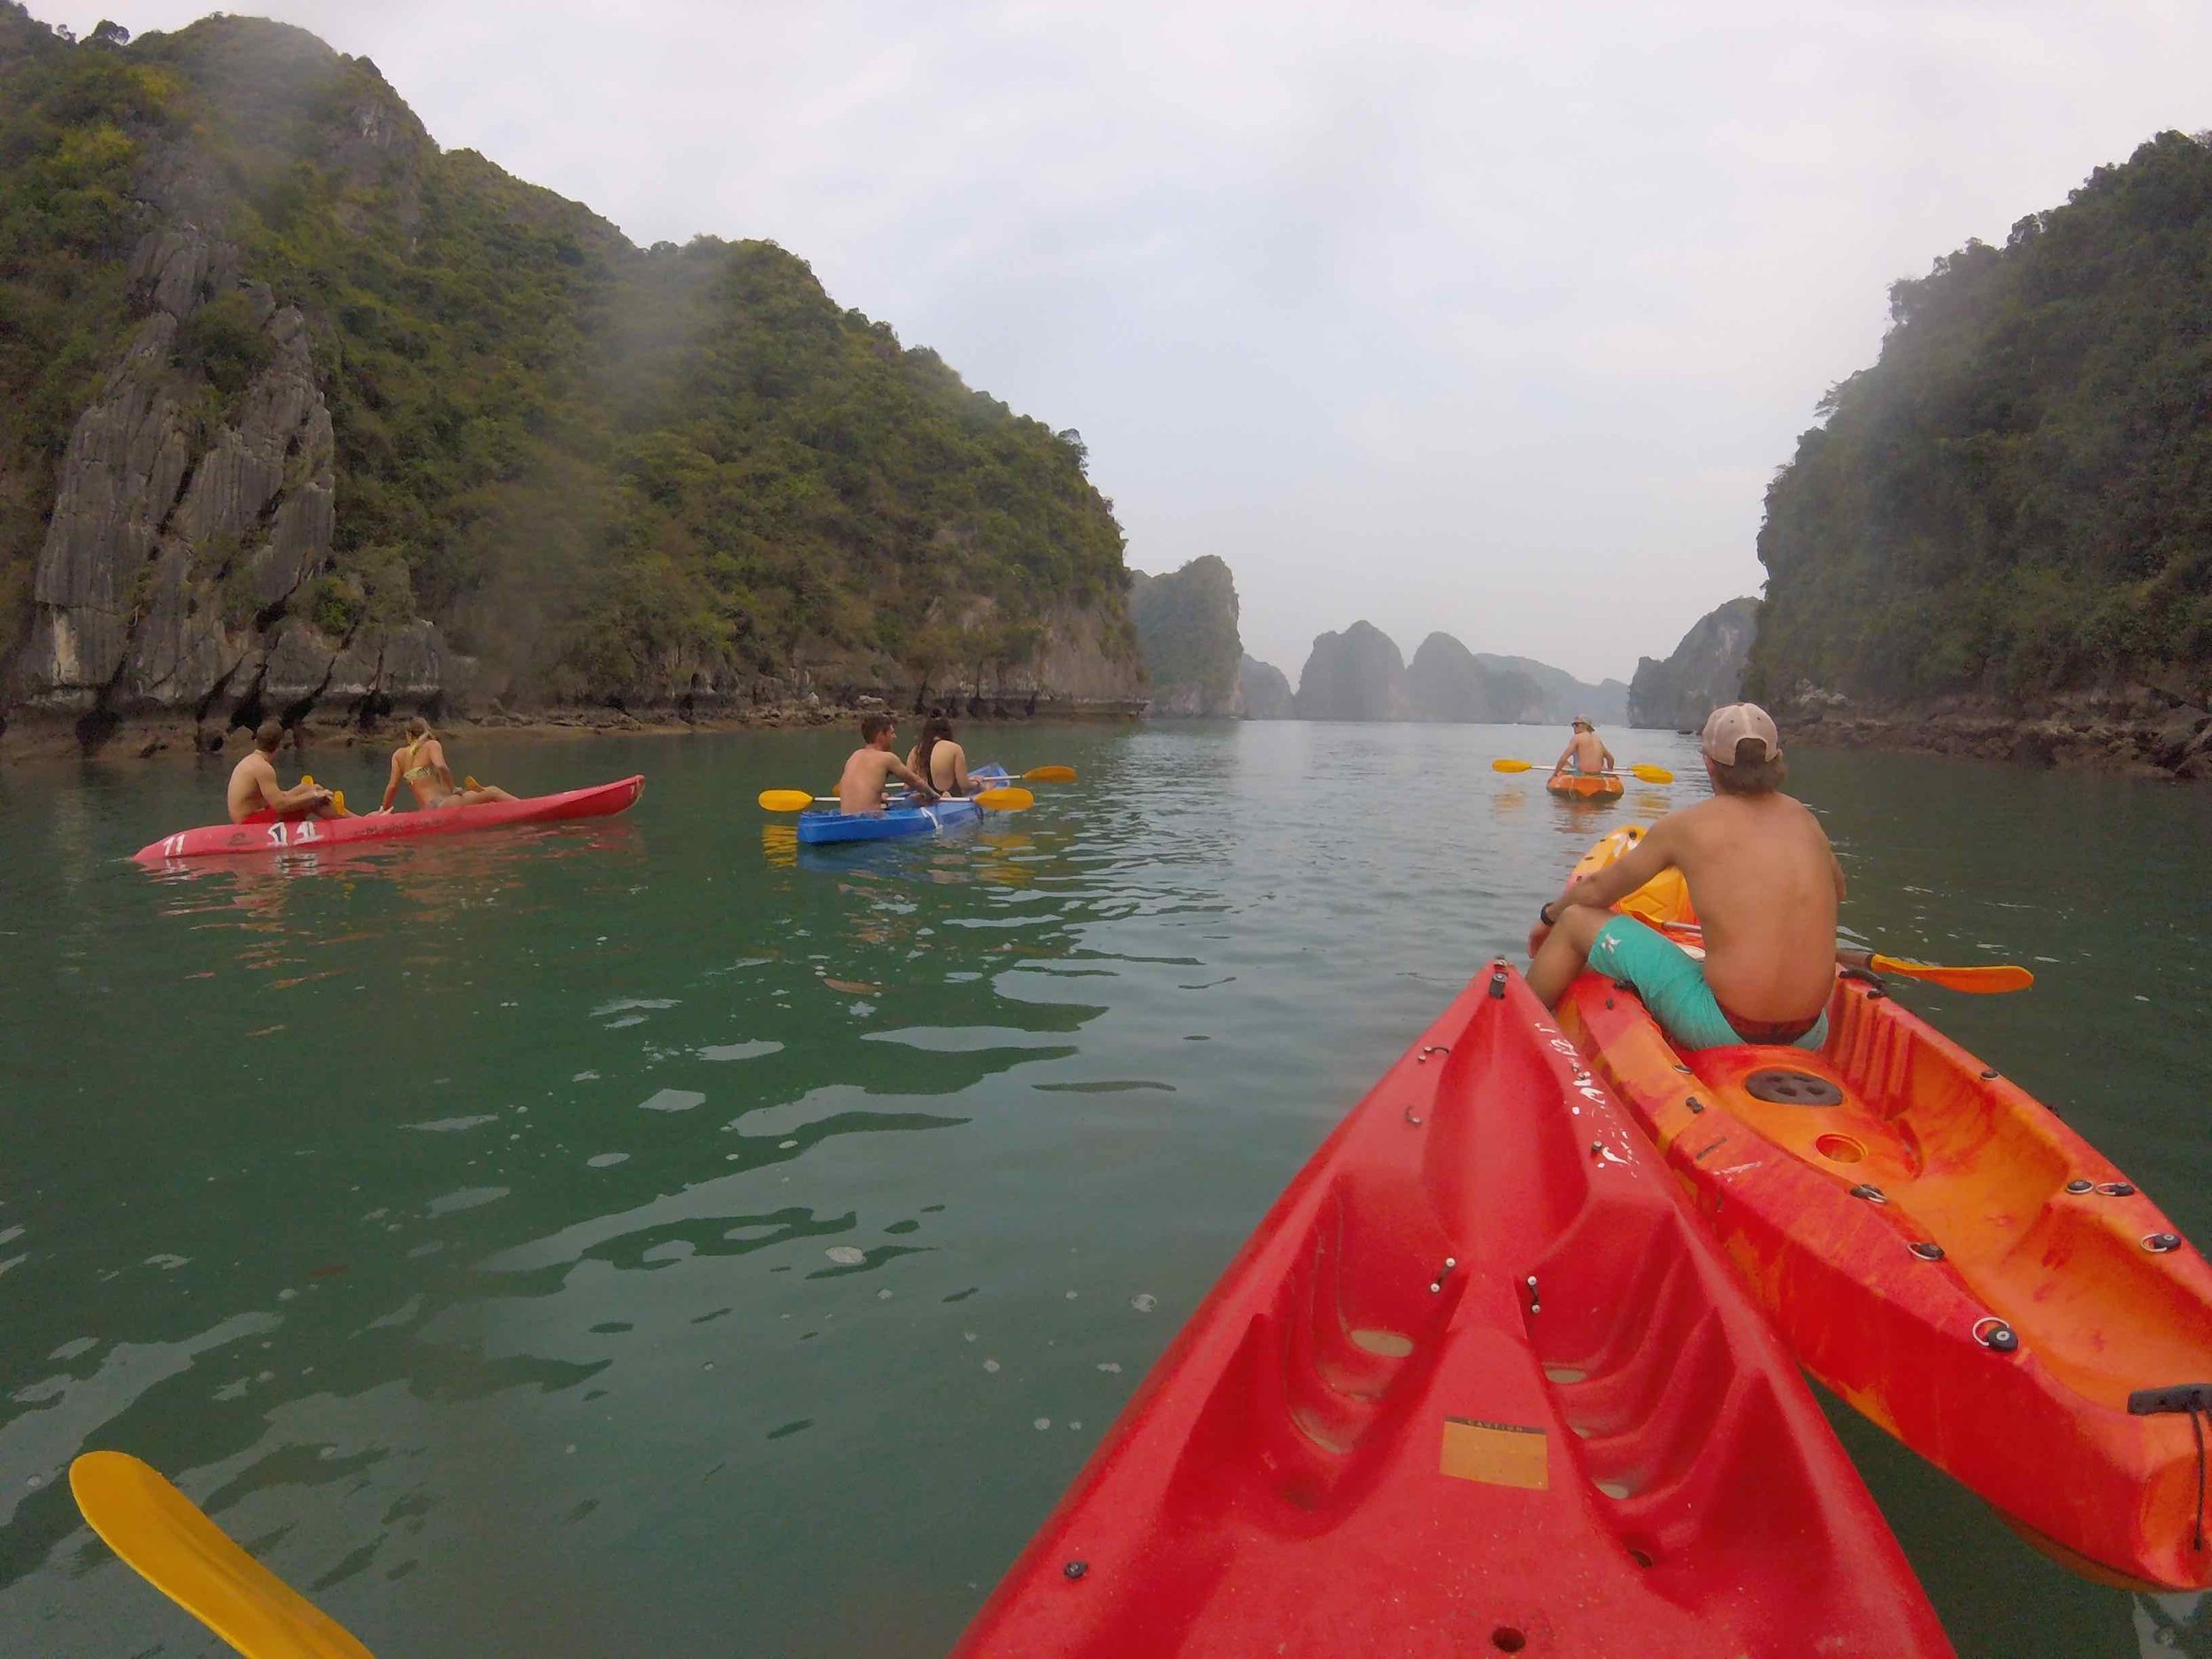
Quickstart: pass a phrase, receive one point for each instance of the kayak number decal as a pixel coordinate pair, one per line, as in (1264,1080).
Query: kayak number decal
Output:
(281,834)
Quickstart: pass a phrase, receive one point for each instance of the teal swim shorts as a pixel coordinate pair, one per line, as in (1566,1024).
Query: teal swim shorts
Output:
(1671,982)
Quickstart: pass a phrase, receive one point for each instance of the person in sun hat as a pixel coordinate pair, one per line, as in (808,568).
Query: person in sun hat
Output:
(1763,882)
(1585,755)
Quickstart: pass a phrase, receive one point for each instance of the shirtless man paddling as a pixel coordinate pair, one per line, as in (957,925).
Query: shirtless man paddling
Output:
(253,795)
(1585,755)
(871,765)
(1763,882)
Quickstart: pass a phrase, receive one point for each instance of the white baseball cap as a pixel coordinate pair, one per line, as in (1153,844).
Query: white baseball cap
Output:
(1727,726)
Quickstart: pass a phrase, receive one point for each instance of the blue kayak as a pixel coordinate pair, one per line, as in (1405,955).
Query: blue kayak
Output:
(822,825)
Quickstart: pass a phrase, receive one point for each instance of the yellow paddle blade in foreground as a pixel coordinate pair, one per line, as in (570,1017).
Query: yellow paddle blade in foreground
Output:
(1006,800)
(186,1556)
(1987,980)
(1652,775)
(786,800)
(1049,774)
(1510,766)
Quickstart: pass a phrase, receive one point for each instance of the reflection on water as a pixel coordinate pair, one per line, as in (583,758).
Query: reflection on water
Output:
(600,1238)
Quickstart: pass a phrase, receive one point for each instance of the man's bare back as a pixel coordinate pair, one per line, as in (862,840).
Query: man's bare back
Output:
(1765,884)
(254,788)
(872,765)
(1587,754)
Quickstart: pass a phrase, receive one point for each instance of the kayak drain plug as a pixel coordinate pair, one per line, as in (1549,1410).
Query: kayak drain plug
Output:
(2080,1185)
(1075,1570)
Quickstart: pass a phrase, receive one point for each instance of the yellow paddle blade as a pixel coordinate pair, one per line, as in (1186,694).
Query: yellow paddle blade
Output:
(1049,774)
(1510,766)
(468,781)
(1006,800)
(186,1556)
(1985,980)
(786,800)
(338,804)
(1652,775)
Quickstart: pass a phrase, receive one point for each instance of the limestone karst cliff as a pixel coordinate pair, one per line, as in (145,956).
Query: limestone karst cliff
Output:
(1186,632)
(297,409)
(1360,675)
(1704,671)
(1265,690)
(1354,675)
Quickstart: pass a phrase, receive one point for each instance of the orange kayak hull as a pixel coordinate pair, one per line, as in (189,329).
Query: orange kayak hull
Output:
(1945,1254)
(1479,1382)
(1576,786)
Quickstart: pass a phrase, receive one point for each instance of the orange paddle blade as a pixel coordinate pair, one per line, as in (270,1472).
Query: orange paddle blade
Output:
(1510,766)
(1006,800)
(1988,980)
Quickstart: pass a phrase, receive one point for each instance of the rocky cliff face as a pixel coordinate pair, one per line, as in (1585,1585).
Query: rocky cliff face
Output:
(1354,675)
(1359,675)
(330,420)
(1450,683)
(1186,629)
(1705,670)
(1265,690)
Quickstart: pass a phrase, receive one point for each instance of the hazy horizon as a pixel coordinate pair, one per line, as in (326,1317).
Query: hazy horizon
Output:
(1442,318)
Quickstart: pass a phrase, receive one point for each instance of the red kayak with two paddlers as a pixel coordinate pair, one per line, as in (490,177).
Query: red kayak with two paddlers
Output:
(1478,1384)
(214,839)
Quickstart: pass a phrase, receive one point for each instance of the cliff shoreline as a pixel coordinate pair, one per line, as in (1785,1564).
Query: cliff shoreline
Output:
(39,735)
(2134,732)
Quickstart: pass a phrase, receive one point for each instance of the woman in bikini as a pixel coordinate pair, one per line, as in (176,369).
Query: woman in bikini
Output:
(941,760)
(420,762)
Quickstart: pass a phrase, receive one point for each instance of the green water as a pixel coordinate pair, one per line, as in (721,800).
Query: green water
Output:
(641,1238)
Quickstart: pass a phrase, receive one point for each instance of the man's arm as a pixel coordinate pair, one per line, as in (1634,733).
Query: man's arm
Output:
(1654,853)
(913,779)
(1561,763)
(1610,763)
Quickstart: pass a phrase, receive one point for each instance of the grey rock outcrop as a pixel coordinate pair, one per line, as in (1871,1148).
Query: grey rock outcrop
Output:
(1450,683)
(1354,675)
(1560,695)
(1186,630)
(1705,670)
(1265,690)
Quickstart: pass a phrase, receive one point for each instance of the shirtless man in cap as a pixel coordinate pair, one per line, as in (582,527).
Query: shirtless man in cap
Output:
(1586,752)
(1763,882)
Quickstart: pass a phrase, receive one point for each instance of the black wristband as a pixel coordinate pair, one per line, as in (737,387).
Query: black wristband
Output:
(1544,914)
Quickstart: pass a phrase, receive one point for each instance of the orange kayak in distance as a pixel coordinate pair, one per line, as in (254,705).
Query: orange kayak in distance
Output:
(1945,1254)
(1584,787)
(1478,1384)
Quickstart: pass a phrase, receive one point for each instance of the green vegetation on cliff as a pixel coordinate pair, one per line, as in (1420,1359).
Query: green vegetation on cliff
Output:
(1187,628)
(606,469)
(2017,498)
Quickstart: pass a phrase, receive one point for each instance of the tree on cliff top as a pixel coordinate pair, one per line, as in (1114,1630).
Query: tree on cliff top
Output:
(2017,498)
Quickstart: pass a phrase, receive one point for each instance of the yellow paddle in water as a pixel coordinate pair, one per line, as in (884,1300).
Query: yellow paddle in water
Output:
(1008,799)
(1049,774)
(1648,774)
(1988,980)
(166,1539)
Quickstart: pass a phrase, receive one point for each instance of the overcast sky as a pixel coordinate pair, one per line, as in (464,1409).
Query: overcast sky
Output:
(1492,318)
